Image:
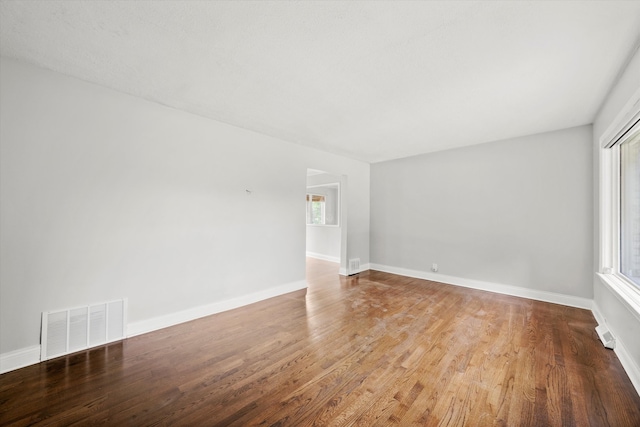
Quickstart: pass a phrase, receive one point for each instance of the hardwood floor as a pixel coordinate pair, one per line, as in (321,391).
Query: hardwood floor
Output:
(373,349)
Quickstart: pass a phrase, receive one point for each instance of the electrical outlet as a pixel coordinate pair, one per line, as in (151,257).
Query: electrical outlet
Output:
(434,267)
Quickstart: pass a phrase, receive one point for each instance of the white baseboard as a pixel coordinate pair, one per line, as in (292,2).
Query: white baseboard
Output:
(597,314)
(323,257)
(160,322)
(363,267)
(516,291)
(627,361)
(31,355)
(19,358)
(629,365)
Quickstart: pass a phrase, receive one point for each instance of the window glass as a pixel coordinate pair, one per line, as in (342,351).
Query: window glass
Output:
(316,209)
(630,208)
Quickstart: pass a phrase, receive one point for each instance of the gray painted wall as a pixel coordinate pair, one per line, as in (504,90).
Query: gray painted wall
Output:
(515,212)
(105,195)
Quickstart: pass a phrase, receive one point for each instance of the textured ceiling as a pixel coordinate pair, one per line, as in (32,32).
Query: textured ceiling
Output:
(370,80)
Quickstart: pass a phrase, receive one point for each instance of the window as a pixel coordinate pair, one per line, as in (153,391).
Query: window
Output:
(323,204)
(316,209)
(620,206)
(630,207)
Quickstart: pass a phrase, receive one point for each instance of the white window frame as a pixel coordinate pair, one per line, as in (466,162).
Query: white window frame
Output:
(609,265)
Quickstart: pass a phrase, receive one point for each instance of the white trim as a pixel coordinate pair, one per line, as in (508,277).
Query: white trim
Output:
(363,267)
(19,358)
(609,224)
(626,293)
(160,322)
(629,365)
(626,360)
(31,355)
(598,314)
(323,257)
(609,200)
(327,185)
(629,114)
(625,357)
(517,291)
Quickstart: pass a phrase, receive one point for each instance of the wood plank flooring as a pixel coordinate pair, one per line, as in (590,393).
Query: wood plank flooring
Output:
(370,350)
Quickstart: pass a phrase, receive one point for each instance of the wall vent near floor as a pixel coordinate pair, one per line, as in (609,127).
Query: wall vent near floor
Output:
(75,329)
(606,337)
(354,266)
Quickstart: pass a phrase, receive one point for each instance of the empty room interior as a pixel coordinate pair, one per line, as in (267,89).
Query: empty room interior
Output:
(301,213)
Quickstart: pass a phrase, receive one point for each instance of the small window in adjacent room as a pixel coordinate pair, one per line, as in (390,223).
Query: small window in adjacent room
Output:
(630,207)
(316,209)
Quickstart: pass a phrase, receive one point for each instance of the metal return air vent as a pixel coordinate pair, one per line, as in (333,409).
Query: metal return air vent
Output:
(75,329)
(354,266)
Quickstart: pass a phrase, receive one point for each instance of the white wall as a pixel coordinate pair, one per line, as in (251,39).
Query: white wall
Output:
(621,321)
(324,241)
(514,213)
(104,195)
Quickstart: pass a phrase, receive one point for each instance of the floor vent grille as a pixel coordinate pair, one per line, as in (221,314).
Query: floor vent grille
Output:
(606,337)
(354,266)
(75,329)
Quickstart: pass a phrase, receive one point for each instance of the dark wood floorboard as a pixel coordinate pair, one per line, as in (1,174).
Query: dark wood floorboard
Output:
(374,349)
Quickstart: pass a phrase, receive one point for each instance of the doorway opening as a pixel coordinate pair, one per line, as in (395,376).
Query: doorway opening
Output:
(326,218)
